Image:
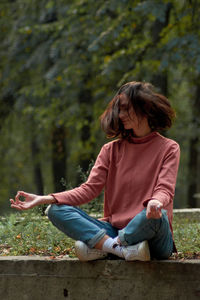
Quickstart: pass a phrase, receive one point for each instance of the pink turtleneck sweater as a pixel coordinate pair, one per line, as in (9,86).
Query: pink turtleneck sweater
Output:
(131,174)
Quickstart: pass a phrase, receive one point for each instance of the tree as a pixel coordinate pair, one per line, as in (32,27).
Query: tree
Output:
(62,62)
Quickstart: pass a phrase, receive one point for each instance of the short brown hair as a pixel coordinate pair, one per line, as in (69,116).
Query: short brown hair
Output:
(145,101)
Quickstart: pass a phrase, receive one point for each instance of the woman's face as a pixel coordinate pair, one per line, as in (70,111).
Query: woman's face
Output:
(130,119)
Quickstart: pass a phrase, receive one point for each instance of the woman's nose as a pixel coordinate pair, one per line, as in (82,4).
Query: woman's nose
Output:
(121,114)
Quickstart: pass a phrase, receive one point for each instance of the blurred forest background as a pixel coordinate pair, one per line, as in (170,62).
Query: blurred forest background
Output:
(62,61)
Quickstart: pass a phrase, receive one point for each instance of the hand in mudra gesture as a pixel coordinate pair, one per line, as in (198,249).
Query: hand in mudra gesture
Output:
(154,209)
(30,200)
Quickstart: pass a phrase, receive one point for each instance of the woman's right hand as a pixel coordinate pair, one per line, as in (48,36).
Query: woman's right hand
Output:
(154,209)
(30,201)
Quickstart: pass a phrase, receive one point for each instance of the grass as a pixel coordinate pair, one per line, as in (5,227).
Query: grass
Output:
(187,237)
(32,234)
(29,233)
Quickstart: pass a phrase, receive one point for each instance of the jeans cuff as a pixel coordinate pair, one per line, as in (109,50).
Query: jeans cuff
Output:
(93,241)
(121,234)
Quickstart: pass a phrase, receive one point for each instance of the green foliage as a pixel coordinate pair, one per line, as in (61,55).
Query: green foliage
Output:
(29,233)
(61,63)
(95,206)
(186,235)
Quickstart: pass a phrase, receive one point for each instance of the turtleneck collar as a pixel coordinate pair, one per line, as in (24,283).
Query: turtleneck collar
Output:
(144,139)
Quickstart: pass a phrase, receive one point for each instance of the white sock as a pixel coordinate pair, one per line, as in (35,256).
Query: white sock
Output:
(116,239)
(111,246)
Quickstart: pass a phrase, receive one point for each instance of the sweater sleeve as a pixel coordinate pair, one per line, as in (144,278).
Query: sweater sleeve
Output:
(165,185)
(92,187)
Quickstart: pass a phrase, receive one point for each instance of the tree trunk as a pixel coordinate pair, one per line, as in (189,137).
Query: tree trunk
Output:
(161,79)
(58,157)
(194,153)
(38,180)
(85,102)
(35,151)
(193,172)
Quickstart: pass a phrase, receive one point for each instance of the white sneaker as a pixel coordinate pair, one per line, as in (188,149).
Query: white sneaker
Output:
(139,251)
(84,253)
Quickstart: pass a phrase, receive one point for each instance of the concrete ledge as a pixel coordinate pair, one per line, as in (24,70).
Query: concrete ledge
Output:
(35,278)
(189,213)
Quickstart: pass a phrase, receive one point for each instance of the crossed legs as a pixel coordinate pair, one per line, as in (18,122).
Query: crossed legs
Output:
(76,224)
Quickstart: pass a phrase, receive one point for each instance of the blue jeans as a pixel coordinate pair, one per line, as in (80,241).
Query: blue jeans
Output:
(78,225)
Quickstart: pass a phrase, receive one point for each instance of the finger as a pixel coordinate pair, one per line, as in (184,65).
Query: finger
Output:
(157,215)
(158,207)
(16,202)
(21,194)
(16,206)
(19,206)
(153,214)
(152,209)
(17,196)
(148,214)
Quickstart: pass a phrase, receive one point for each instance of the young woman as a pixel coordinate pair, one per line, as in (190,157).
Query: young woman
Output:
(138,173)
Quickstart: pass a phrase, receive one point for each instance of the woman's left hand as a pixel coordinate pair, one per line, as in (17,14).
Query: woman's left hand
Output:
(154,209)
